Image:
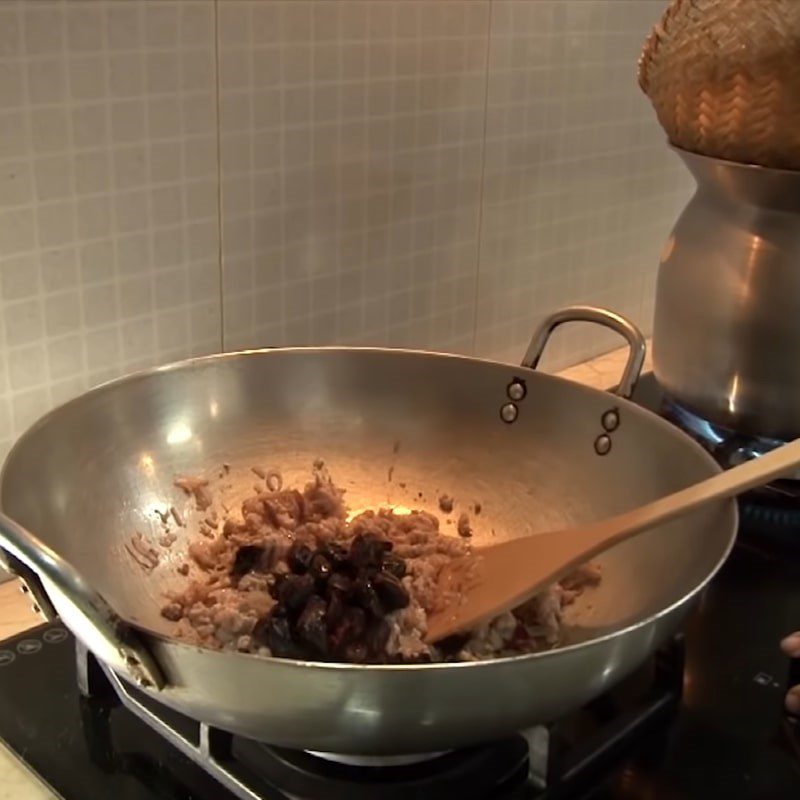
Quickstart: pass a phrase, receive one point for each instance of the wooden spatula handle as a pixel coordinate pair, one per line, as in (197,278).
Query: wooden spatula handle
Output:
(726,484)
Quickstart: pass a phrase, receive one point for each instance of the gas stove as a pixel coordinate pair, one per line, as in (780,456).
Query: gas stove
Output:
(771,512)
(702,718)
(87,734)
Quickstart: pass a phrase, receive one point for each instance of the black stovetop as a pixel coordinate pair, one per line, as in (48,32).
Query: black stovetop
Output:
(728,739)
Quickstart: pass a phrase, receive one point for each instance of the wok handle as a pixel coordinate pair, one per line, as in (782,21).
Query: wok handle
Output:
(600,316)
(83,609)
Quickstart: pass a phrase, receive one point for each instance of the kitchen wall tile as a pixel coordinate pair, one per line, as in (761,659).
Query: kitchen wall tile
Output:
(11,85)
(16,182)
(54,178)
(14,141)
(47,81)
(43,28)
(580,190)
(28,406)
(23,322)
(351,151)
(26,367)
(431,173)
(59,269)
(10,33)
(19,276)
(17,230)
(108,175)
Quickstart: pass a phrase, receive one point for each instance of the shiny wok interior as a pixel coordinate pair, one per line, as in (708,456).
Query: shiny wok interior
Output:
(389,425)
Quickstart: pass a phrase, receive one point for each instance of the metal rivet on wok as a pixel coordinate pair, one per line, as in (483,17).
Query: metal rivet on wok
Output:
(508,412)
(602,444)
(610,420)
(516,390)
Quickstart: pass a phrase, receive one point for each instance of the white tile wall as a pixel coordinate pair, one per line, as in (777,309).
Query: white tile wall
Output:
(580,189)
(352,142)
(108,194)
(178,176)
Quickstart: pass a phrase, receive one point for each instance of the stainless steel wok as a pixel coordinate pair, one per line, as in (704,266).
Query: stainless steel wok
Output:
(537,452)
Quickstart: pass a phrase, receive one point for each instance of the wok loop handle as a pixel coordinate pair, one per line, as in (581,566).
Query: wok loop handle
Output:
(600,316)
(85,611)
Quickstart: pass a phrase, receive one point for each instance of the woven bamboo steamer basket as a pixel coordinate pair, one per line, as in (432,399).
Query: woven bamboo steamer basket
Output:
(724,78)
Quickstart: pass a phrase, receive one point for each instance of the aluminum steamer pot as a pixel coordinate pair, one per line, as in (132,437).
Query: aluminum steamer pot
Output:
(538,452)
(726,341)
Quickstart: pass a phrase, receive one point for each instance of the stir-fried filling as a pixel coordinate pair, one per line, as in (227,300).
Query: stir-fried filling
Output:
(294,578)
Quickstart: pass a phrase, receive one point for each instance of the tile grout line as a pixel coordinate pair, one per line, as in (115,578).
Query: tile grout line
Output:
(220,249)
(481,187)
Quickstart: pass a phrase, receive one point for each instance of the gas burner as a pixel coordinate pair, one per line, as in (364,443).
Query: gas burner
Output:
(728,447)
(542,763)
(770,514)
(495,770)
(377,762)
(252,770)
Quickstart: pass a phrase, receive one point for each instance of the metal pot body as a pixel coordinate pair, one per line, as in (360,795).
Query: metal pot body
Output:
(726,341)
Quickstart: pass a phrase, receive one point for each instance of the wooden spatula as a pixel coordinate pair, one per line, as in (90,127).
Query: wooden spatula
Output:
(510,573)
